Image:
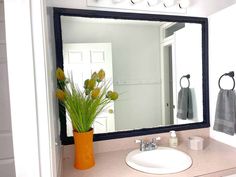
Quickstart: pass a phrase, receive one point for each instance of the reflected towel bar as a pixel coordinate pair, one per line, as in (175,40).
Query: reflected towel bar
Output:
(185,76)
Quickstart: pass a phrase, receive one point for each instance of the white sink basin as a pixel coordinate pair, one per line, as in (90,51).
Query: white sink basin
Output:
(163,160)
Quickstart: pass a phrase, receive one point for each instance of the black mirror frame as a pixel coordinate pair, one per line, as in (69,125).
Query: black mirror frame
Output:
(58,12)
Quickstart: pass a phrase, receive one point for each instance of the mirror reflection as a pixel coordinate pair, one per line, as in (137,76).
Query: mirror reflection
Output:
(156,67)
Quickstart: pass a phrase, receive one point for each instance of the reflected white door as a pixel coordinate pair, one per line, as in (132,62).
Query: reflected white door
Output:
(82,59)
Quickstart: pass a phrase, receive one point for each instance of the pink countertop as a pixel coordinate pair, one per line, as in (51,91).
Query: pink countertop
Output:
(214,158)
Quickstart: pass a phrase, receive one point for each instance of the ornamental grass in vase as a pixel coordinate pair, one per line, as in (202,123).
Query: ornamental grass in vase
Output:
(82,107)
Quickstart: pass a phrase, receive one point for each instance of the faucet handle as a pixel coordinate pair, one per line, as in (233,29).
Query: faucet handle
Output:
(142,144)
(156,139)
(138,141)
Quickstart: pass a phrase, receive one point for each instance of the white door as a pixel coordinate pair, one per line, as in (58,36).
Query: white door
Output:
(82,59)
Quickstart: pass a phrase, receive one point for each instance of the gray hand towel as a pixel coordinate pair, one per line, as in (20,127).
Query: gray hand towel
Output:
(185,106)
(225,116)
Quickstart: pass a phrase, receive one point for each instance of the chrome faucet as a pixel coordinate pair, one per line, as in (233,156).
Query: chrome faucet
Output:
(148,145)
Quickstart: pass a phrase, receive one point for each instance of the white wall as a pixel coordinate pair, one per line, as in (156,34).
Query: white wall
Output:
(188,51)
(136,75)
(7,167)
(207,7)
(222,59)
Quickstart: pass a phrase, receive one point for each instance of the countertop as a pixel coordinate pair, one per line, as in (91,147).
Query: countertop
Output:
(215,158)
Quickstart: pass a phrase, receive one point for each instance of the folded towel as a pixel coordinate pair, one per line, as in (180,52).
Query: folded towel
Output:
(185,106)
(225,116)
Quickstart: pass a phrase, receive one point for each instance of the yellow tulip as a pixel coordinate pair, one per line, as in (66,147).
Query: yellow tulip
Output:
(101,75)
(94,76)
(95,93)
(86,82)
(87,91)
(110,111)
(60,74)
(114,96)
(108,95)
(91,84)
(60,94)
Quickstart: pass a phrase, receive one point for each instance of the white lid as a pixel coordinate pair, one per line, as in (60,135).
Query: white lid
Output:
(172,134)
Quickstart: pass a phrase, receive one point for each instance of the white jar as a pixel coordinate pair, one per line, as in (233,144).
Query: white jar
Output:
(196,143)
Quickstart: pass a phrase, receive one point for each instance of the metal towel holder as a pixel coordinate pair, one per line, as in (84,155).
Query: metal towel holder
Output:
(185,76)
(230,74)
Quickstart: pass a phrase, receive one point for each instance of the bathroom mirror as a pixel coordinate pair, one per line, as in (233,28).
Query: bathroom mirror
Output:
(151,60)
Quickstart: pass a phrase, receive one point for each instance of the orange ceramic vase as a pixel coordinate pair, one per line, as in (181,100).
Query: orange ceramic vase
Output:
(84,155)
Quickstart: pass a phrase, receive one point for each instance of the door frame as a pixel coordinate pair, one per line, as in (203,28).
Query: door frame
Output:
(168,42)
(32,129)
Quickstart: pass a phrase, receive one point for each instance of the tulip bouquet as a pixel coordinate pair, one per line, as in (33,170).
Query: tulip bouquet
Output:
(83,106)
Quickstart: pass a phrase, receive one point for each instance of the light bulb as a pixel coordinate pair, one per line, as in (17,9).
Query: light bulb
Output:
(153,2)
(117,1)
(169,3)
(135,1)
(183,4)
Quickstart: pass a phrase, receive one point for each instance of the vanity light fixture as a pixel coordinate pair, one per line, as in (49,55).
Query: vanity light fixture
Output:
(183,4)
(135,1)
(153,2)
(168,3)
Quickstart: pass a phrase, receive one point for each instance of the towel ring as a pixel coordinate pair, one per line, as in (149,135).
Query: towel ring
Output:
(185,76)
(230,74)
